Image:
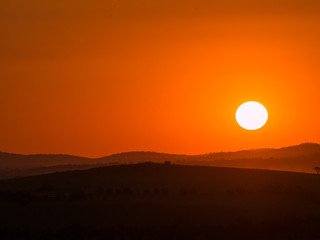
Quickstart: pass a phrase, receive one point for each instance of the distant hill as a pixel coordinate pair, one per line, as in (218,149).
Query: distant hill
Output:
(10,160)
(304,149)
(303,158)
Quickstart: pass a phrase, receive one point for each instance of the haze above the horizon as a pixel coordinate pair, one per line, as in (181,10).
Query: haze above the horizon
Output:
(92,78)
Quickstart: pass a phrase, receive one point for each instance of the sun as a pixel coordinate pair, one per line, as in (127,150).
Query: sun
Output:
(251,115)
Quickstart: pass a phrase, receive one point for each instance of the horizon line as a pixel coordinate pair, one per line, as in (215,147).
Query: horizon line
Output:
(148,151)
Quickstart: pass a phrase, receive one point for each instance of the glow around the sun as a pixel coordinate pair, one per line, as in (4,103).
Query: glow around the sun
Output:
(251,115)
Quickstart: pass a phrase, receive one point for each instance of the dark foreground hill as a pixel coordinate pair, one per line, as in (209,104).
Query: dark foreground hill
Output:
(300,158)
(161,201)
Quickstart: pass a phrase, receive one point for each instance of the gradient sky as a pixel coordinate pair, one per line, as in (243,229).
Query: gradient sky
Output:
(98,77)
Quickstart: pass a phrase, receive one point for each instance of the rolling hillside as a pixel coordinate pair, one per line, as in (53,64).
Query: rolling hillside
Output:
(161,201)
(300,158)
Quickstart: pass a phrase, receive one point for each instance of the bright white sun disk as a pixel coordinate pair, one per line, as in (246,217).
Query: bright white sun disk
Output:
(251,115)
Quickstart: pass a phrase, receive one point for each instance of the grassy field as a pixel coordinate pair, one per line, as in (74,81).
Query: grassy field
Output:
(157,201)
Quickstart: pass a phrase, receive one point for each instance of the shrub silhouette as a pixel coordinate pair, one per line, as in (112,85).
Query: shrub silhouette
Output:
(317,169)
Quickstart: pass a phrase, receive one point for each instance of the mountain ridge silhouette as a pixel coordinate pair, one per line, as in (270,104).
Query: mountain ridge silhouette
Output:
(302,157)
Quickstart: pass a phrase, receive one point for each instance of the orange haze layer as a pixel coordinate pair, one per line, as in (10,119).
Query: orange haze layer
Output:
(98,77)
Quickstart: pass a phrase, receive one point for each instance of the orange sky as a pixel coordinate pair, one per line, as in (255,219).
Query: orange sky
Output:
(98,77)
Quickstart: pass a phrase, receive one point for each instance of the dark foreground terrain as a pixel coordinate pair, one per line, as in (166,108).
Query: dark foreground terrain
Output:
(161,201)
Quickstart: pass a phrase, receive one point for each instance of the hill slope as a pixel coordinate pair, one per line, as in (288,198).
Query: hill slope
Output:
(301,158)
(149,175)
(157,201)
